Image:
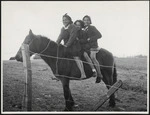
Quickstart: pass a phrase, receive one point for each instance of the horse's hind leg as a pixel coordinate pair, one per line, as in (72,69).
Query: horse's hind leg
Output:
(108,80)
(67,94)
(112,102)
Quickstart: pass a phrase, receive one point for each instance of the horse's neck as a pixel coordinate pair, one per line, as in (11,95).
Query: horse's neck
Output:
(54,51)
(51,55)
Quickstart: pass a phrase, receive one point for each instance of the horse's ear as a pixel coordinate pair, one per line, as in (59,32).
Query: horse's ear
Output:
(30,32)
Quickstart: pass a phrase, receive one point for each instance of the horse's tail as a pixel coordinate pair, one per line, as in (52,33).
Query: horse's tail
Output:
(115,74)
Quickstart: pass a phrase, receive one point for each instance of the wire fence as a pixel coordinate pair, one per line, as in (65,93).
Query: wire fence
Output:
(69,77)
(71,60)
(74,78)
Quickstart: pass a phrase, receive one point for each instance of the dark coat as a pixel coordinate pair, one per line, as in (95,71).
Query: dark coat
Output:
(93,34)
(82,36)
(69,36)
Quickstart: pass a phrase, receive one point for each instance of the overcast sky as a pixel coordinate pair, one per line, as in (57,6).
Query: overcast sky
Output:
(124,25)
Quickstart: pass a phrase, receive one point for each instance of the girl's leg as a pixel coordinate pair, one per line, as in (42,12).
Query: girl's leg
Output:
(96,63)
(81,67)
(88,59)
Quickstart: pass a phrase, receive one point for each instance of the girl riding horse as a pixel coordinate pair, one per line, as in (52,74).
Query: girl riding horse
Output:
(69,34)
(92,36)
(85,47)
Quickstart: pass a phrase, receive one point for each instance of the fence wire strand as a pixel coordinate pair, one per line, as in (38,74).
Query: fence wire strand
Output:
(39,54)
(69,77)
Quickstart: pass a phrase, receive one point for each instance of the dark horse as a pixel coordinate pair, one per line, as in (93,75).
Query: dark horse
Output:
(63,67)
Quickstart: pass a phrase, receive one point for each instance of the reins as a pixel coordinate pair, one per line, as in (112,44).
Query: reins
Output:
(46,47)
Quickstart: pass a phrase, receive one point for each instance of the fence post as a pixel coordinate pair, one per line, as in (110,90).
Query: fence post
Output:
(28,72)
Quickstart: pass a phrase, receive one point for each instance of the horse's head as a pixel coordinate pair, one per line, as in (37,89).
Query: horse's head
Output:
(30,40)
(37,44)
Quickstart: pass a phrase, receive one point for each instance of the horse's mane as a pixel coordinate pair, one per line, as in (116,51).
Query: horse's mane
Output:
(46,38)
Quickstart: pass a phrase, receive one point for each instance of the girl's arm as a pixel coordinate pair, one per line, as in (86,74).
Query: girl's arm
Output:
(73,35)
(96,35)
(59,39)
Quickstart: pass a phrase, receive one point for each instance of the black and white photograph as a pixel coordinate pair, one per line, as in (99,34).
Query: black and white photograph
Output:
(60,57)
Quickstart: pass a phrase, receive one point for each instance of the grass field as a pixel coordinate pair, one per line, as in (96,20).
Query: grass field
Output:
(48,93)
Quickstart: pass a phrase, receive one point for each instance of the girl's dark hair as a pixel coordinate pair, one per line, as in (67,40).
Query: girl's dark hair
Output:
(86,16)
(81,22)
(69,18)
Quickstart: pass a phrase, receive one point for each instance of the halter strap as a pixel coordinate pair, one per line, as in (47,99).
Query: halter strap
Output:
(46,47)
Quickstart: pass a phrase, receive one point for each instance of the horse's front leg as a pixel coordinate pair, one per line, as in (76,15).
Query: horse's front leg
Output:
(67,94)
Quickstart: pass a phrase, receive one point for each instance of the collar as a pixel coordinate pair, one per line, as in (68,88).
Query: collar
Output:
(66,27)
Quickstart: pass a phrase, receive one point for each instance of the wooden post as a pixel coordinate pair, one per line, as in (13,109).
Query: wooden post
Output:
(27,69)
(111,91)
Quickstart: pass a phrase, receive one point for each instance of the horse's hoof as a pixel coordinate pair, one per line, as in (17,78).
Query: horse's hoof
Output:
(72,103)
(116,109)
(98,80)
(67,109)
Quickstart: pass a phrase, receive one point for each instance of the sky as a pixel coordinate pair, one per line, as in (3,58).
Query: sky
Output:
(124,25)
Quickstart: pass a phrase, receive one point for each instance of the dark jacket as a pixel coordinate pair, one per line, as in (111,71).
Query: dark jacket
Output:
(93,34)
(69,36)
(82,36)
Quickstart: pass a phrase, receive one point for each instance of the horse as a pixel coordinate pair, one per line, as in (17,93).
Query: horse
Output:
(65,69)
